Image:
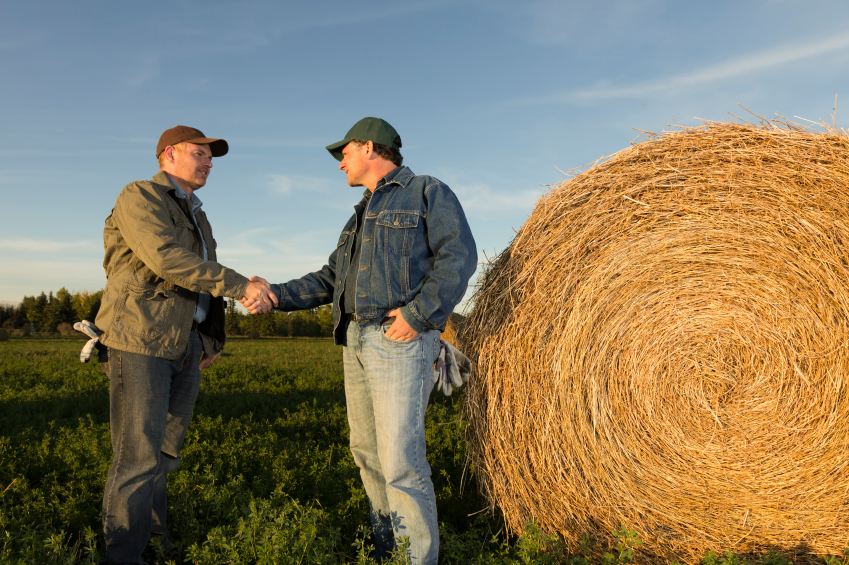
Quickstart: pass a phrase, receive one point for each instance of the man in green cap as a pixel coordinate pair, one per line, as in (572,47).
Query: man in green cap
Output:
(401,265)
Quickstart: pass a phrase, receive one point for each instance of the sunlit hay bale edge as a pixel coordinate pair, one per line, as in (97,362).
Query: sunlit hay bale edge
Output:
(452,328)
(664,346)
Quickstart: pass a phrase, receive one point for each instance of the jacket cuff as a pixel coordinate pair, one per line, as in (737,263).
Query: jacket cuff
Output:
(235,285)
(413,320)
(279,292)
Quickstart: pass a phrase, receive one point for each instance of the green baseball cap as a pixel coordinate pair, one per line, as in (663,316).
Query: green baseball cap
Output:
(370,129)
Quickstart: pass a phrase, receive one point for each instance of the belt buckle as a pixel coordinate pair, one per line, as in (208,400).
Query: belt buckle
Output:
(353,316)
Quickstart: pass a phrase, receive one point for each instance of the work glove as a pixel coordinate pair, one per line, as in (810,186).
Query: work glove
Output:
(452,368)
(94,333)
(440,372)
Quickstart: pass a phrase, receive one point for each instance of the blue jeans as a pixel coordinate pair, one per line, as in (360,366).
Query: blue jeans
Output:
(387,385)
(150,405)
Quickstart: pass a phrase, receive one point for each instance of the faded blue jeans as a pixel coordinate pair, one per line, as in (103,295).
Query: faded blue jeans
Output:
(387,385)
(150,405)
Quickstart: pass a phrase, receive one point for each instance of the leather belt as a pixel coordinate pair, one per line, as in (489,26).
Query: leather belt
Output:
(353,316)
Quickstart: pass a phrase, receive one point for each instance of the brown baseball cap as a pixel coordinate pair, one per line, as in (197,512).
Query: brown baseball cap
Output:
(185,134)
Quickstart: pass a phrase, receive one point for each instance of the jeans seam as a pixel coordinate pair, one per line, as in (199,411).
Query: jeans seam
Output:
(187,353)
(423,376)
(121,435)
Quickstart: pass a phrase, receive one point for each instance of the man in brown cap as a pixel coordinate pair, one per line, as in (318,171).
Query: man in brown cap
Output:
(163,307)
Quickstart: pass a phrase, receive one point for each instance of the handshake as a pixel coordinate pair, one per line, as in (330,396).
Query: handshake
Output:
(258,298)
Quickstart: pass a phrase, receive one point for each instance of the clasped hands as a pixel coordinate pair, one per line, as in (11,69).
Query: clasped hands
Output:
(258,298)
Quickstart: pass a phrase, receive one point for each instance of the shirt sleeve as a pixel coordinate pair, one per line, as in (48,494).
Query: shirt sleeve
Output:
(145,224)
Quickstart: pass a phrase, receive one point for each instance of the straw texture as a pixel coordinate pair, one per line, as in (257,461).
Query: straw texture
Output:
(664,346)
(452,327)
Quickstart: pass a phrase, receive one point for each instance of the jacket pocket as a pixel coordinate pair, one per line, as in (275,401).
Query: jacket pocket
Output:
(144,310)
(396,230)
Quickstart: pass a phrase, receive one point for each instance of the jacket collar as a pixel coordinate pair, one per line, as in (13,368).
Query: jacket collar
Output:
(162,178)
(400,176)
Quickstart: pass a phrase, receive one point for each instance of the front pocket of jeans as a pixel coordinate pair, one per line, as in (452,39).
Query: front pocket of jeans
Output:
(383,330)
(144,310)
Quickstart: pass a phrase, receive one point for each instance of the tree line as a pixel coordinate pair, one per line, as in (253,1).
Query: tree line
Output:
(317,322)
(50,312)
(57,313)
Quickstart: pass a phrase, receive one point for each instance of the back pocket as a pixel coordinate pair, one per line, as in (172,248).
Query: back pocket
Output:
(144,310)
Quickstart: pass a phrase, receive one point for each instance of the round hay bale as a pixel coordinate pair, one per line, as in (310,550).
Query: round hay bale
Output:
(453,328)
(4,334)
(664,346)
(253,335)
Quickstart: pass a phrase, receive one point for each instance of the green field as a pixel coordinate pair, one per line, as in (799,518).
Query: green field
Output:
(266,475)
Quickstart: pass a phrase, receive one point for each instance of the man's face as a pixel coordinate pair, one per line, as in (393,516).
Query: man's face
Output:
(192,164)
(354,163)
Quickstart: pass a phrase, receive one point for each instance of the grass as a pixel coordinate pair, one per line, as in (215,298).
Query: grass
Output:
(266,476)
(266,469)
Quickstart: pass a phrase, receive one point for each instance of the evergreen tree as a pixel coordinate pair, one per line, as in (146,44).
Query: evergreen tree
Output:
(65,312)
(35,312)
(232,318)
(267,324)
(284,324)
(49,320)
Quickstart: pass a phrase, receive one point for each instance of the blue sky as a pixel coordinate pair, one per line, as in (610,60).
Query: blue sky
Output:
(491,97)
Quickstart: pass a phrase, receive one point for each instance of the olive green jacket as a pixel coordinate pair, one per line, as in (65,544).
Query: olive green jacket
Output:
(155,270)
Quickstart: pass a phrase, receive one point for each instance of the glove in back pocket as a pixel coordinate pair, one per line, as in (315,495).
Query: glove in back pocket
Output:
(144,310)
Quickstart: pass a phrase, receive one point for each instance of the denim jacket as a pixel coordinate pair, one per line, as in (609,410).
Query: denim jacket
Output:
(418,255)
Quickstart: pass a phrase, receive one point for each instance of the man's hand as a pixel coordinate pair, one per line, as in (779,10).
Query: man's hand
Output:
(258,298)
(207,361)
(400,330)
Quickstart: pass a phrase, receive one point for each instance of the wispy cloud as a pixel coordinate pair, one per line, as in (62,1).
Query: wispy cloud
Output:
(285,184)
(12,45)
(279,142)
(27,277)
(48,246)
(729,69)
(145,69)
(357,15)
(144,140)
(263,252)
(249,243)
(478,198)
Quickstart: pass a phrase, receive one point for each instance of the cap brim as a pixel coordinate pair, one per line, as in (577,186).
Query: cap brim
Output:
(218,147)
(336,149)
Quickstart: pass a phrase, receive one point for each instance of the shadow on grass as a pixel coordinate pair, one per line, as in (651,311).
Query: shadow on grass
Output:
(264,405)
(18,415)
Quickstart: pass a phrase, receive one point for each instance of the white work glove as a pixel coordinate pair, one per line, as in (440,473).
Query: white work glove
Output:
(94,333)
(459,366)
(452,367)
(440,372)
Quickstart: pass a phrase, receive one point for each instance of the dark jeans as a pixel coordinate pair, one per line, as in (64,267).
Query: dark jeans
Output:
(150,405)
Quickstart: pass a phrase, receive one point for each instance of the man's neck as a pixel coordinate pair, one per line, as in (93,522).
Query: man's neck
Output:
(380,172)
(185,186)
